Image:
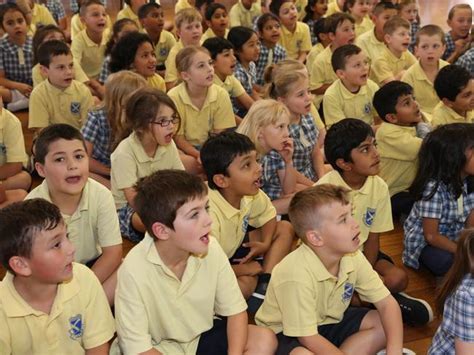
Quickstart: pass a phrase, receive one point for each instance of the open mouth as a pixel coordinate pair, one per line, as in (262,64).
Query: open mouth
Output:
(73,179)
(258,183)
(205,239)
(376,164)
(356,238)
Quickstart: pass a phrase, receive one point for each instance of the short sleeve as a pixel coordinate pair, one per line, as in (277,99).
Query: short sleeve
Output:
(40,118)
(224,115)
(262,210)
(462,317)
(108,228)
(432,208)
(124,170)
(306,40)
(13,139)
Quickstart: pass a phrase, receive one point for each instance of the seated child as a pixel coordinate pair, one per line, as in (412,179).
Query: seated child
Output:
(60,98)
(467,61)
(395,59)
(351,95)
(319,31)
(408,10)
(56,8)
(217,22)
(360,10)
(429,46)
(184,279)
(458,40)
(444,198)
(454,86)
(308,299)
(131,11)
(335,6)
(86,206)
(244,13)
(314,10)
(243,217)
(76,23)
(40,15)
(183,4)
(48,303)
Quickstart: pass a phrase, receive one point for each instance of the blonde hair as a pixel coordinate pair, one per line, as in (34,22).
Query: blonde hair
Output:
(262,114)
(430,30)
(287,64)
(394,24)
(458,7)
(282,83)
(188,15)
(185,56)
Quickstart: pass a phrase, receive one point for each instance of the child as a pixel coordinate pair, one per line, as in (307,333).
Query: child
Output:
(399,140)
(393,62)
(320,32)
(105,122)
(350,149)
(179,261)
(56,9)
(360,10)
(86,206)
(131,11)
(351,95)
(189,29)
(40,15)
(16,58)
(408,10)
(134,51)
(315,10)
(458,39)
(244,13)
(335,6)
(77,25)
(269,32)
(217,22)
(454,299)
(146,145)
(183,4)
(444,200)
(429,46)
(295,35)
(266,124)
(454,86)
(322,274)
(467,61)
(48,303)
(60,99)
(204,107)
(236,204)
(340,29)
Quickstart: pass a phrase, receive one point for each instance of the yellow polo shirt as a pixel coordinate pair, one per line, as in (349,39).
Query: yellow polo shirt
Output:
(40,15)
(196,124)
(154,309)
(387,65)
(297,41)
(89,54)
(130,163)
(172,74)
(79,74)
(371,206)
(127,12)
(163,47)
(231,84)
(12,142)
(240,16)
(398,147)
(303,295)
(77,26)
(94,225)
(300,6)
(333,7)
(181,5)
(229,224)
(321,73)
(340,103)
(313,53)
(443,114)
(53,105)
(157,82)
(317,118)
(370,45)
(365,26)
(423,88)
(210,34)
(80,318)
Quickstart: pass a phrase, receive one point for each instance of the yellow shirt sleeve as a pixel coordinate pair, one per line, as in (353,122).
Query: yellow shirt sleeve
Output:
(11,137)
(41,116)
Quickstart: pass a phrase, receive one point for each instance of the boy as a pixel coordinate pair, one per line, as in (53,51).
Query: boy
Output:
(340,30)
(48,303)
(60,98)
(244,13)
(458,39)
(429,46)
(131,11)
(307,302)
(454,86)
(184,280)
(395,59)
(323,41)
(189,30)
(87,207)
(152,19)
(351,95)
(236,204)
(351,150)
(16,58)
(295,36)
(217,22)
(40,15)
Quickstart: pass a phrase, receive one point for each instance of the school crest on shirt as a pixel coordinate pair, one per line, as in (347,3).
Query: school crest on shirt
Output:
(75,108)
(369,216)
(3,149)
(367,108)
(245,224)
(163,52)
(348,291)
(299,43)
(76,327)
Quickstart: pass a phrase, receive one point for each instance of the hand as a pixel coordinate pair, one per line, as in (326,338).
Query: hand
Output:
(24,89)
(3,195)
(461,45)
(256,249)
(287,152)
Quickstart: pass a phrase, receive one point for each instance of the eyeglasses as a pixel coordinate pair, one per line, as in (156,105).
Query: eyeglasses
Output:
(166,123)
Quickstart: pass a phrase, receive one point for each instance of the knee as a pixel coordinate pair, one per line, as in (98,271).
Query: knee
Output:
(261,341)
(285,230)
(397,280)
(247,285)
(372,322)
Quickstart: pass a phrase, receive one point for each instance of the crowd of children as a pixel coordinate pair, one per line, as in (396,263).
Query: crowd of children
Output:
(254,154)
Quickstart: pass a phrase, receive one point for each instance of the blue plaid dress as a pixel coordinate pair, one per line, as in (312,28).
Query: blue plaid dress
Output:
(17,68)
(414,28)
(56,8)
(247,79)
(271,184)
(97,131)
(467,61)
(105,71)
(305,137)
(279,54)
(450,46)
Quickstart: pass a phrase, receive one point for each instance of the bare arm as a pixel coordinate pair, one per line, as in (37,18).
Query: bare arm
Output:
(25,89)
(9,169)
(319,345)
(152,351)
(433,238)
(108,262)
(391,318)
(288,175)
(462,347)
(99,350)
(185,146)
(130,194)
(302,56)
(318,161)
(245,100)
(237,333)
(96,166)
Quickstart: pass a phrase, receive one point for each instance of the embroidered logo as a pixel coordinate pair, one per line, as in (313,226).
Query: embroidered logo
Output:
(75,108)
(369,216)
(299,43)
(245,224)
(3,149)
(367,108)
(163,52)
(76,327)
(348,291)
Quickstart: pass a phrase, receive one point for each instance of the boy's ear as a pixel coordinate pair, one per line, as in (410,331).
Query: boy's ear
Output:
(391,117)
(447,102)
(331,36)
(160,231)
(44,70)
(40,169)
(387,38)
(220,180)
(344,165)
(20,265)
(314,238)
(340,73)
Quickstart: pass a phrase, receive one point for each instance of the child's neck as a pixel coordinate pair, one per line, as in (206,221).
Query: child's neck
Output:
(154,36)
(231,197)
(245,63)
(378,36)
(357,19)
(196,93)
(291,27)
(19,41)
(268,44)
(39,296)
(295,118)
(174,259)
(330,261)
(355,181)
(460,112)
(149,144)
(455,36)
(395,52)
(95,37)
(354,89)
(221,76)
(66,203)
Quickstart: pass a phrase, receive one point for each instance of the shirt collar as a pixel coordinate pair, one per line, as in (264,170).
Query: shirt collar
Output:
(140,153)
(346,94)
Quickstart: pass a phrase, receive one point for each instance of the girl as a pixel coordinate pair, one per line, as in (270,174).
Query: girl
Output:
(103,123)
(152,117)
(360,10)
(135,52)
(444,198)
(454,302)
(203,106)
(315,9)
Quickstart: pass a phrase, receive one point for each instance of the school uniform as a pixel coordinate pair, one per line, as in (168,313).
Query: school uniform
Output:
(305,137)
(127,12)
(210,34)
(267,57)
(297,41)
(96,130)
(156,82)
(17,61)
(172,74)
(365,26)
(443,114)
(77,26)
(163,47)
(12,142)
(321,73)
(387,65)
(371,46)
(89,54)
(313,53)
(181,5)
(240,16)
(41,16)
(79,74)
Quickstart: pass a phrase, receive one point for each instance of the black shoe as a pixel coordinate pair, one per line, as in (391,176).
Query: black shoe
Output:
(256,300)
(415,311)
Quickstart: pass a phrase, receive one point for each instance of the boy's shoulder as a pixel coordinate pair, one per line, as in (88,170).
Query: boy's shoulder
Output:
(8,121)
(387,130)
(221,206)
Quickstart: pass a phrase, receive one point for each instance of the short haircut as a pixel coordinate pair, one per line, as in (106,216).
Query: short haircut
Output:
(7,7)
(394,24)
(213,8)
(51,134)
(450,81)
(39,36)
(343,137)
(217,45)
(382,6)
(430,30)
(187,16)
(319,27)
(145,9)
(51,49)
(262,20)
(161,194)
(333,21)
(341,54)
(20,224)
(386,98)
(123,53)
(219,152)
(275,6)
(85,5)
(305,206)
(458,7)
